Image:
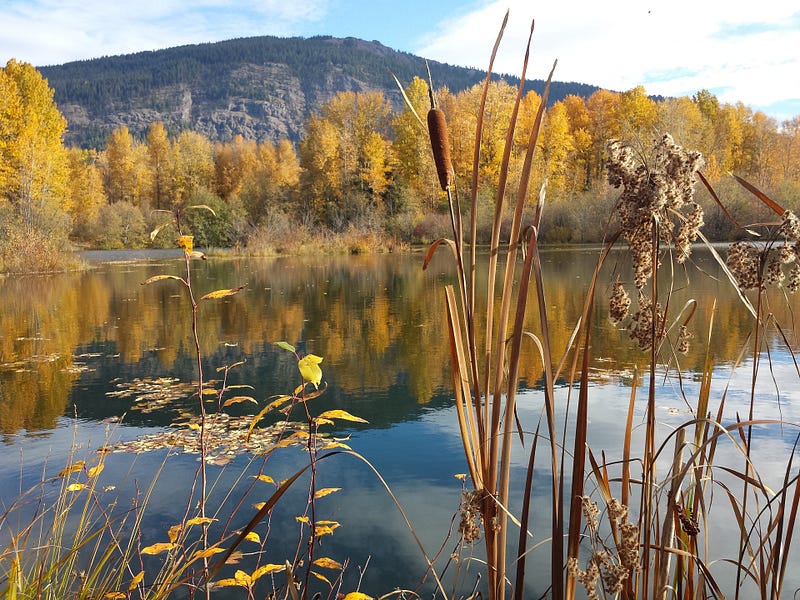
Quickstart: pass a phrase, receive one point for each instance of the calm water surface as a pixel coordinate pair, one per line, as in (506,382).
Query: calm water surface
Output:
(68,341)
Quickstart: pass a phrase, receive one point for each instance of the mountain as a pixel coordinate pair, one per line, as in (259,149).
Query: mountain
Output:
(261,87)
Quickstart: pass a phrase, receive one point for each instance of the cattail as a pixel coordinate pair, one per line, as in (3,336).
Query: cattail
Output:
(440,144)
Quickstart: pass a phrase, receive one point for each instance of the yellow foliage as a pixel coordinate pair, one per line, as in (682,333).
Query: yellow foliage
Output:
(158,548)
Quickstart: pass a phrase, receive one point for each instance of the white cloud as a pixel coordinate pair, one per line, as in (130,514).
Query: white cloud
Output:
(671,48)
(46,32)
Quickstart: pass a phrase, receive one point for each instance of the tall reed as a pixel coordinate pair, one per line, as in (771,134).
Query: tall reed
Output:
(641,537)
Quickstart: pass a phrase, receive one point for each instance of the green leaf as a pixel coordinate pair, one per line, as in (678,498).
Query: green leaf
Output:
(285,346)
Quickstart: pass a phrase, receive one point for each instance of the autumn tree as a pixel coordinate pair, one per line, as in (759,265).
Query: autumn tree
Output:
(604,125)
(159,154)
(86,194)
(33,167)
(234,162)
(192,166)
(412,149)
(127,173)
(347,158)
(33,172)
(268,189)
(579,169)
(637,114)
(556,146)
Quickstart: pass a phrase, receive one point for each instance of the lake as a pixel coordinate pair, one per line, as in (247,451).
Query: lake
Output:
(78,351)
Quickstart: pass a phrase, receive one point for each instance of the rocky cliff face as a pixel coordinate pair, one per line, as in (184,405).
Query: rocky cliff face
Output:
(261,88)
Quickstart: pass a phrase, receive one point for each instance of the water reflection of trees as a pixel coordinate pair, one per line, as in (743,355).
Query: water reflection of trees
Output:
(377,320)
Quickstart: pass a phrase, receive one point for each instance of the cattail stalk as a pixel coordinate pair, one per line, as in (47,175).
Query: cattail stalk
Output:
(440,144)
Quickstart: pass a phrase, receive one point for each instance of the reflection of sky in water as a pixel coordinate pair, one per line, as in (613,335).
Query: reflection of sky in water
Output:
(394,377)
(418,459)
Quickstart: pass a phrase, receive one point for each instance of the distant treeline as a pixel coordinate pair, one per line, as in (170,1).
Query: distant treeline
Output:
(362,171)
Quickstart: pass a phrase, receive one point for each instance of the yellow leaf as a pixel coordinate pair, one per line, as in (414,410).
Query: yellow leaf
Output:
(327,563)
(243,578)
(173,532)
(115,595)
(203,206)
(76,487)
(357,596)
(194,426)
(322,577)
(310,370)
(161,278)
(155,231)
(319,421)
(460,476)
(253,537)
(136,581)
(342,415)
(302,519)
(200,521)
(216,295)
(325,492)
(333,445)
(227,583)
(259,505)
(237,399)
(328,522)
(265,478)
(207,552)
(186,243)
(266,570)
(158,548)
(96,470)
(72,468)
(321,530)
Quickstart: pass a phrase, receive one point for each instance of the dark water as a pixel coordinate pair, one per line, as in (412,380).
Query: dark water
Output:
(68,341)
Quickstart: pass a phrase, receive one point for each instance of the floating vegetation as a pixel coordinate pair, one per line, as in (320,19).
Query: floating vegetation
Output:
(153,394)
(226,438)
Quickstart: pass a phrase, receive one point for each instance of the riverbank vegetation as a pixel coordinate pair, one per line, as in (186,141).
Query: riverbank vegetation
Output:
(630,522)
(361,178)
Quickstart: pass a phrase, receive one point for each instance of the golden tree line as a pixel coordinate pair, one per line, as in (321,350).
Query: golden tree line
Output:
(361,166)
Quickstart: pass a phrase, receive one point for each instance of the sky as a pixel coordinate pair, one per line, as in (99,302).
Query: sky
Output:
(742,51)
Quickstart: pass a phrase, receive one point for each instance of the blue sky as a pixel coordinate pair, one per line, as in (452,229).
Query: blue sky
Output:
(746,51)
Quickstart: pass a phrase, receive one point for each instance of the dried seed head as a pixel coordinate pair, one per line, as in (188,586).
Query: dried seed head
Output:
(590,512)
(440,144)
(794,279)
(744,261)
(469,524)
(617,511)
(774,274)
(790,227)
(663,191)
(684,335)
(787,253)
(619,304)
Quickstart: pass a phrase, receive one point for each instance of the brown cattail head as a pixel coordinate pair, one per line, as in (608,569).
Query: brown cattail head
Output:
(440,144)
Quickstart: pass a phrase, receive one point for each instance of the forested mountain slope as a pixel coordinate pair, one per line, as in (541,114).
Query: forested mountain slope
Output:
(262,88)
